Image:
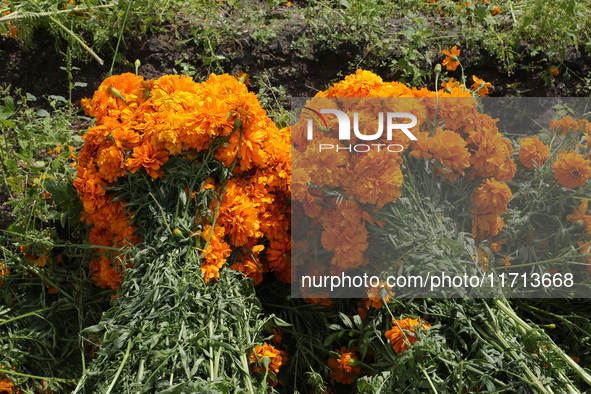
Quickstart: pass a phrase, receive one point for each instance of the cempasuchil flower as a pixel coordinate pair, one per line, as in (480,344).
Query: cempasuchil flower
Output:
(533,152)
(402,333)
(572,169)
(344,367)
(451,61)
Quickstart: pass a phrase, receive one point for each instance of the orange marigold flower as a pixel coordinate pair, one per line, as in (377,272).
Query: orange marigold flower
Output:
(449,148)
(250,266)
(375,298)
(533,152)
(348,243)
(144,156)
(554,72)
(492,196)
(401,335)
(361,84)
(278,336)
(279,258)
(572,169)
(451,84)
(480,86)
(451,61)
(216,253)
(239,215)
(377,179)
(277,358)
(3,271)
(6,386)
(486,224)
(110,162)
(496,11)
(568,125)
(104,274)
(344,368)
(491,152)
(580,213)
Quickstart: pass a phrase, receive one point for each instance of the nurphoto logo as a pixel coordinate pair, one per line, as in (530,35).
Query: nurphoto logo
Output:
(345,130)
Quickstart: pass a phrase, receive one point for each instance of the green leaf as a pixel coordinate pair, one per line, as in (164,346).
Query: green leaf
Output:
(42,113)
(9,102)
(346,320)
(481,13)
(358,322)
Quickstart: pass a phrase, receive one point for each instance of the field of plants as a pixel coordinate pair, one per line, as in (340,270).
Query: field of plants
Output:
(171,181)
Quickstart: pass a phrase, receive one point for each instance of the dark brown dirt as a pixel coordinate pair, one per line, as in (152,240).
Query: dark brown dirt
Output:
(37,70)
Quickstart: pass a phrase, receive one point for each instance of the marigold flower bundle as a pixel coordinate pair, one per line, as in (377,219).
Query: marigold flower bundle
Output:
(142,124)
(468,145)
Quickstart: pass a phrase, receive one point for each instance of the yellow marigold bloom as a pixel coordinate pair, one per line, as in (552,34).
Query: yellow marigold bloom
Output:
(480,86)
(144,156)
(277,358)
(572,169)
(451,61)
(401,335)
(492,196)
(343,367)
(533,152)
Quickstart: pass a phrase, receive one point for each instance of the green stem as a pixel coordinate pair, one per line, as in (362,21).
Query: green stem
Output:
(501,304)
(70,32)
(25,375)
(120,36)
(23,316)
(428,379)
(120,367)
(247,378)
